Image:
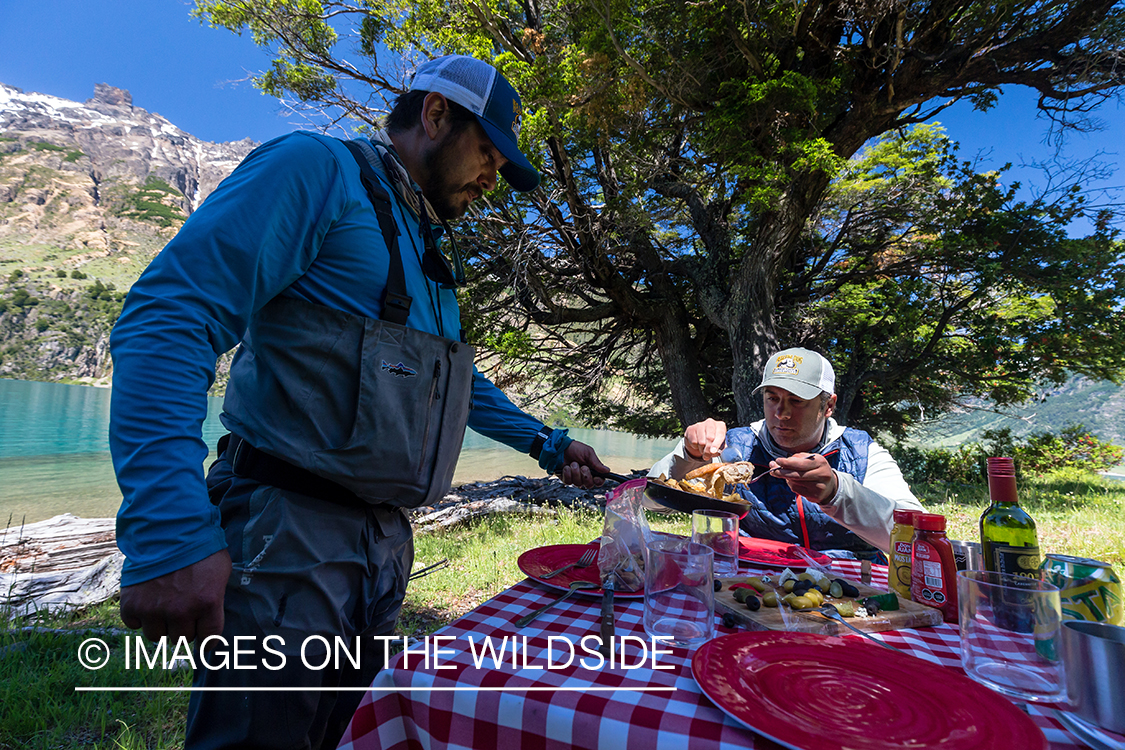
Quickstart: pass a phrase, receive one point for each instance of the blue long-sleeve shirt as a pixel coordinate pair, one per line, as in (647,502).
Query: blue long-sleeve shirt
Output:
(292,219)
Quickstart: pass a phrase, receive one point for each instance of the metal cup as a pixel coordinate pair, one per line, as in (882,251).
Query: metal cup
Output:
(967,555)
(1094,655)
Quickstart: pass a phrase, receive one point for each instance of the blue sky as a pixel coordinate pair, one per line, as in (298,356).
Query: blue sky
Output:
(197,77)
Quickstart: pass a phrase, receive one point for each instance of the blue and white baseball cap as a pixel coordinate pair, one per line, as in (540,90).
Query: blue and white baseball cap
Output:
(479,87)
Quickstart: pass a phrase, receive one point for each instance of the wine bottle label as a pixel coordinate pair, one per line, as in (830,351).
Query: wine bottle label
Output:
(1018,561)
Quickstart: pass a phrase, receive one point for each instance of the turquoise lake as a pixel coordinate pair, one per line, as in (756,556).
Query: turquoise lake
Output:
(54,452)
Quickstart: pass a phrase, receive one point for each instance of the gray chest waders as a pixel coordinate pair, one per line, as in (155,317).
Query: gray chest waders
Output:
(346,408)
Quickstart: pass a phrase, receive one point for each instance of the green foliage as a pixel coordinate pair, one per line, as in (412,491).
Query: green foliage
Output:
(919,465)
(44,146)
(1073,448)
(14,276)
(76,274)
(22,299)
(61,273)
(69,154)
(146,204)
(941,285)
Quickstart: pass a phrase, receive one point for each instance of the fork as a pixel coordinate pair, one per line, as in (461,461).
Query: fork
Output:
(830,612)
(582,562)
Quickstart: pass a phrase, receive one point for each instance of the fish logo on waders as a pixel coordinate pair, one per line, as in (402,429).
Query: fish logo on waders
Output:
(401,370)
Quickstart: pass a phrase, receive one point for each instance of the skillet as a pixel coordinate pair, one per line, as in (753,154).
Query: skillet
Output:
(682,500)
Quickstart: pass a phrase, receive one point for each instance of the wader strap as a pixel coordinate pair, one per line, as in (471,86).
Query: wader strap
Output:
(247,461)
(396,302)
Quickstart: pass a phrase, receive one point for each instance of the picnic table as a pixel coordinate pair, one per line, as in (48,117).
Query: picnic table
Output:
(462,701)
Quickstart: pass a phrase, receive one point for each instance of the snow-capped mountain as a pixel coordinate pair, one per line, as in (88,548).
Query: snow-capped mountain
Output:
(121,140)
(89,193)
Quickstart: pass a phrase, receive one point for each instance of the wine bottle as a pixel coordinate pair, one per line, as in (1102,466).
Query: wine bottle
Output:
(1009,543)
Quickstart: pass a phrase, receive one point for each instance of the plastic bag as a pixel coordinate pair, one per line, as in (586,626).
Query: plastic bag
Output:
(623,536)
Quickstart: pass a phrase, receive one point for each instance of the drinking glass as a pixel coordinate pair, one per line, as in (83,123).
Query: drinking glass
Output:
(718,530)
(679,602)
(1010,634)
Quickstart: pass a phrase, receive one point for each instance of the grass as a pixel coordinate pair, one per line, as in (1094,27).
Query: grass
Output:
(1076,514)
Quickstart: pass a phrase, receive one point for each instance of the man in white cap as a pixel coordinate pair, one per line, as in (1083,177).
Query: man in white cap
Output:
(829,487)
(347,404)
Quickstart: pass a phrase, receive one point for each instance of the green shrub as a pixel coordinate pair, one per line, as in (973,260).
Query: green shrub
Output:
(60,273)
(14,276)
(44,146)
(22,299)
(76,274)
(1074,448)
(42,325)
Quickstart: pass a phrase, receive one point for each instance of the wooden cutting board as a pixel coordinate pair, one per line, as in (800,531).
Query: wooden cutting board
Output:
(909,614)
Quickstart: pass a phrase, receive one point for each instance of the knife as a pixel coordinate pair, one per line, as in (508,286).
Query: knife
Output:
(607,615)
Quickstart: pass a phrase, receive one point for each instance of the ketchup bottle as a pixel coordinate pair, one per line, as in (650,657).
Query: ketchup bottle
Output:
(933,573)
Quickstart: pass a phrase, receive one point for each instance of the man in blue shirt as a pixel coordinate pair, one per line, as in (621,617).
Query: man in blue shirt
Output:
(347,402)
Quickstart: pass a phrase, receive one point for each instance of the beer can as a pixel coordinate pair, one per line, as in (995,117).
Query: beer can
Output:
(1089,589)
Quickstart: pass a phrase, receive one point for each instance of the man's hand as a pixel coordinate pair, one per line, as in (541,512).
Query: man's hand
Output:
(705,440)
(187,602)
(807,474)
(580,459)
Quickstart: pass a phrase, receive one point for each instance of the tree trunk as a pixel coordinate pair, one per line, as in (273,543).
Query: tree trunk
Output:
(751,319)
(681,367)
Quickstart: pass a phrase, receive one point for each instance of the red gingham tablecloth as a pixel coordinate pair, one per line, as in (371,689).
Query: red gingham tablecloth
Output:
(465,699)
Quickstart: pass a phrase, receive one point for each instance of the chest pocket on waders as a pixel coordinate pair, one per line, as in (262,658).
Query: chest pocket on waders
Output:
(414,393)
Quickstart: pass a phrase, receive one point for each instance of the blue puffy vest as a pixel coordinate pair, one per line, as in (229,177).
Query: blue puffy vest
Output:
(773,506)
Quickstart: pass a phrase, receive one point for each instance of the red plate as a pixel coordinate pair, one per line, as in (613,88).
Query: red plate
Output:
(815,692)
(779,554)
(542,560)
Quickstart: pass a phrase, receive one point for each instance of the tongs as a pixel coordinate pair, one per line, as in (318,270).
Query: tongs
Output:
(428,569)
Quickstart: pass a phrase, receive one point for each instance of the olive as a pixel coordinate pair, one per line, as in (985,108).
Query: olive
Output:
(788,585)
(823,585)
(718,585)
(836,591)
(802,586)
(871,605)
(814,596)
(801,602)
(769,598)
(741,594)
(728,620)
(848,587)
(753,603)
(806,576)
(759,584)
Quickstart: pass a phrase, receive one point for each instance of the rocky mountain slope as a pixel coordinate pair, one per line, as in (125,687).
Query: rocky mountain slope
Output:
(89,193)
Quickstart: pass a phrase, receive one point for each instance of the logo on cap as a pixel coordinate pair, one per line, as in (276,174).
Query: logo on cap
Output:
(788,364)
(517,118)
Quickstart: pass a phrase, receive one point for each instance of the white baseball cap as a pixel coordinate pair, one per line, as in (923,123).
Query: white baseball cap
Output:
(802,372)
(481,89)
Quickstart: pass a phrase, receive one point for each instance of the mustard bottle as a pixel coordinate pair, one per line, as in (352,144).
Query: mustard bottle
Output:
(898,558)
